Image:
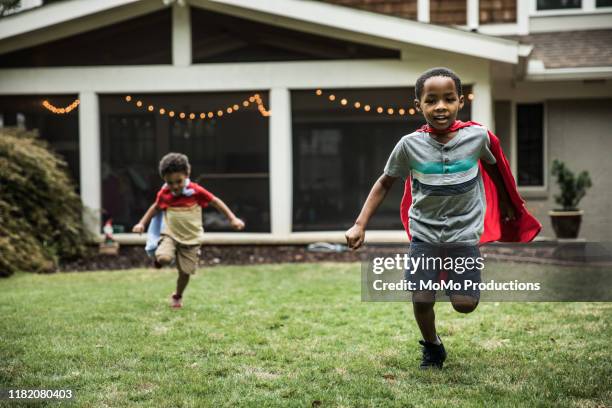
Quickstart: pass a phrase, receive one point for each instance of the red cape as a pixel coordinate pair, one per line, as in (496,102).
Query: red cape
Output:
(523,228)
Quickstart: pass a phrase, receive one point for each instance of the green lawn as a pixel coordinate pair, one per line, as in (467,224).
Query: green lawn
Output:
(289,335)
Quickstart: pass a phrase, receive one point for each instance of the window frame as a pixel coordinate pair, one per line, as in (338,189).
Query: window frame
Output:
(587,7)
(530,191)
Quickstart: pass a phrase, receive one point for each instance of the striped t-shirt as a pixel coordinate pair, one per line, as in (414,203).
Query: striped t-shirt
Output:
(448,199)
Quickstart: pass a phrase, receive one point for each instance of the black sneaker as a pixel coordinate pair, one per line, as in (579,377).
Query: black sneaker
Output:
(433,355)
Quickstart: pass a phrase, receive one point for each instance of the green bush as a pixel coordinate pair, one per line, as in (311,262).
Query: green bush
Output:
(40,212)
(572,189)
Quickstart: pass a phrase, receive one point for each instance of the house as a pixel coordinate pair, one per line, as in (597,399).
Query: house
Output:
(288,109)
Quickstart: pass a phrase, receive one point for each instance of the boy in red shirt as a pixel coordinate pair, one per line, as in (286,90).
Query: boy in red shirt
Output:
(182,201)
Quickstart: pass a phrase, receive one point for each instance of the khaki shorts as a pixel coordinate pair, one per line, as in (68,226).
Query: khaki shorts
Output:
(186,255)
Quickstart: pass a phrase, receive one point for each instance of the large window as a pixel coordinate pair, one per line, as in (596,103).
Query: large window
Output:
(228,153)
(60,131)
(558,4)
(530,144)
(340,150)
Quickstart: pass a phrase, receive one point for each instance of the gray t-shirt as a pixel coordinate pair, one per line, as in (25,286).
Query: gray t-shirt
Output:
(448,199)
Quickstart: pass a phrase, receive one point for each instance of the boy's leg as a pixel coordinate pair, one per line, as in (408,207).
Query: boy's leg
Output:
(423,307)
(166,250)
(420,273)
(186,262)
(465,300)
(181,283)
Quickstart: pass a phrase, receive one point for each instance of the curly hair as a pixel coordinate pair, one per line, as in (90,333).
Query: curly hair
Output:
(174,163)
(434,72)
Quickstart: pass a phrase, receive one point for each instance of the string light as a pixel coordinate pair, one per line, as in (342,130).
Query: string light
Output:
(61,111)
(191,116)
(391,110)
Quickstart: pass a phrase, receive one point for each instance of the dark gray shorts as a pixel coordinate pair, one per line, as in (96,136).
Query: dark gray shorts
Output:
(463,271)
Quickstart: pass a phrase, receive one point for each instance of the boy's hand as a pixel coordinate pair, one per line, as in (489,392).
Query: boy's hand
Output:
(508,213)
(237,224)
(138,228)
(355,236)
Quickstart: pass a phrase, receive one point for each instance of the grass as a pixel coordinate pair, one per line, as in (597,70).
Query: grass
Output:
(289,335)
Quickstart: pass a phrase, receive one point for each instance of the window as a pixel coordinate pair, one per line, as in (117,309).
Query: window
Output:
(339,151)
(228,154)
(558,4)
(603,3)
(530,144)
(61,131)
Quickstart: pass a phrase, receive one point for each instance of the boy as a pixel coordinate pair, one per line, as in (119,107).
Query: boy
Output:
(182,201)
(447,208)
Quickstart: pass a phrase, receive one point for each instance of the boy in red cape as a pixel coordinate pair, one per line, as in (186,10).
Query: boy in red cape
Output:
(459,193)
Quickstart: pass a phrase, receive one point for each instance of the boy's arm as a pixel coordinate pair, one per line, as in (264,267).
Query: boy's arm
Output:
(356,234)
(236,222)
(140,227)
(508,212)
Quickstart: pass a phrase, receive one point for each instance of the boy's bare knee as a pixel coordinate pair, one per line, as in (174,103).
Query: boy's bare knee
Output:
(464,304)
(164,259)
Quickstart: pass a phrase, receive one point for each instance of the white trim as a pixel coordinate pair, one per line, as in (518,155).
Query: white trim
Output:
(494,28)
(181,35)
(228,238)
(89,159)
(522,16)
(525,50)
(473,14)
(571,22)
(423,11)
(377,25)
(53,14)
(73,27)
(482,105)
(587,7)
(281,162)
(231,76)
(536,71)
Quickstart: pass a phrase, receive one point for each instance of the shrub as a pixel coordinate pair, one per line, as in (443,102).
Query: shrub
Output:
(572,189)
(40,212)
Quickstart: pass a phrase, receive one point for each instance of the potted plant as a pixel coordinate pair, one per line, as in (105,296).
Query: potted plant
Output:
(566,220)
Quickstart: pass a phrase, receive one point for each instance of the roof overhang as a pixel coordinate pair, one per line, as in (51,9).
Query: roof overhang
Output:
(315,13)
(536,71)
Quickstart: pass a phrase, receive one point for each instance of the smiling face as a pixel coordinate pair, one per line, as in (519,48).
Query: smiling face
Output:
(439,102)
(176,182)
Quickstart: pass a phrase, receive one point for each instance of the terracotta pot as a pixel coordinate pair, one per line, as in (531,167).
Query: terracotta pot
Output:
(566,223)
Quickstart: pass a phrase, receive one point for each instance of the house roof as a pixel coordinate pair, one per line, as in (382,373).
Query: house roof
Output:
(317,13)
(570,49)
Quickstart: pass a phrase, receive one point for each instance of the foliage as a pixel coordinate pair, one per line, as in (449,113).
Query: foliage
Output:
(8,5)
(40,212)
(572,189)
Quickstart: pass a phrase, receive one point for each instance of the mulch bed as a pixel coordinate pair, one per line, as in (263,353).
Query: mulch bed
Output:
(133,256)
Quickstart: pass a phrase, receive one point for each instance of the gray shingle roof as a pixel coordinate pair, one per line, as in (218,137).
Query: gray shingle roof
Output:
(571,49)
